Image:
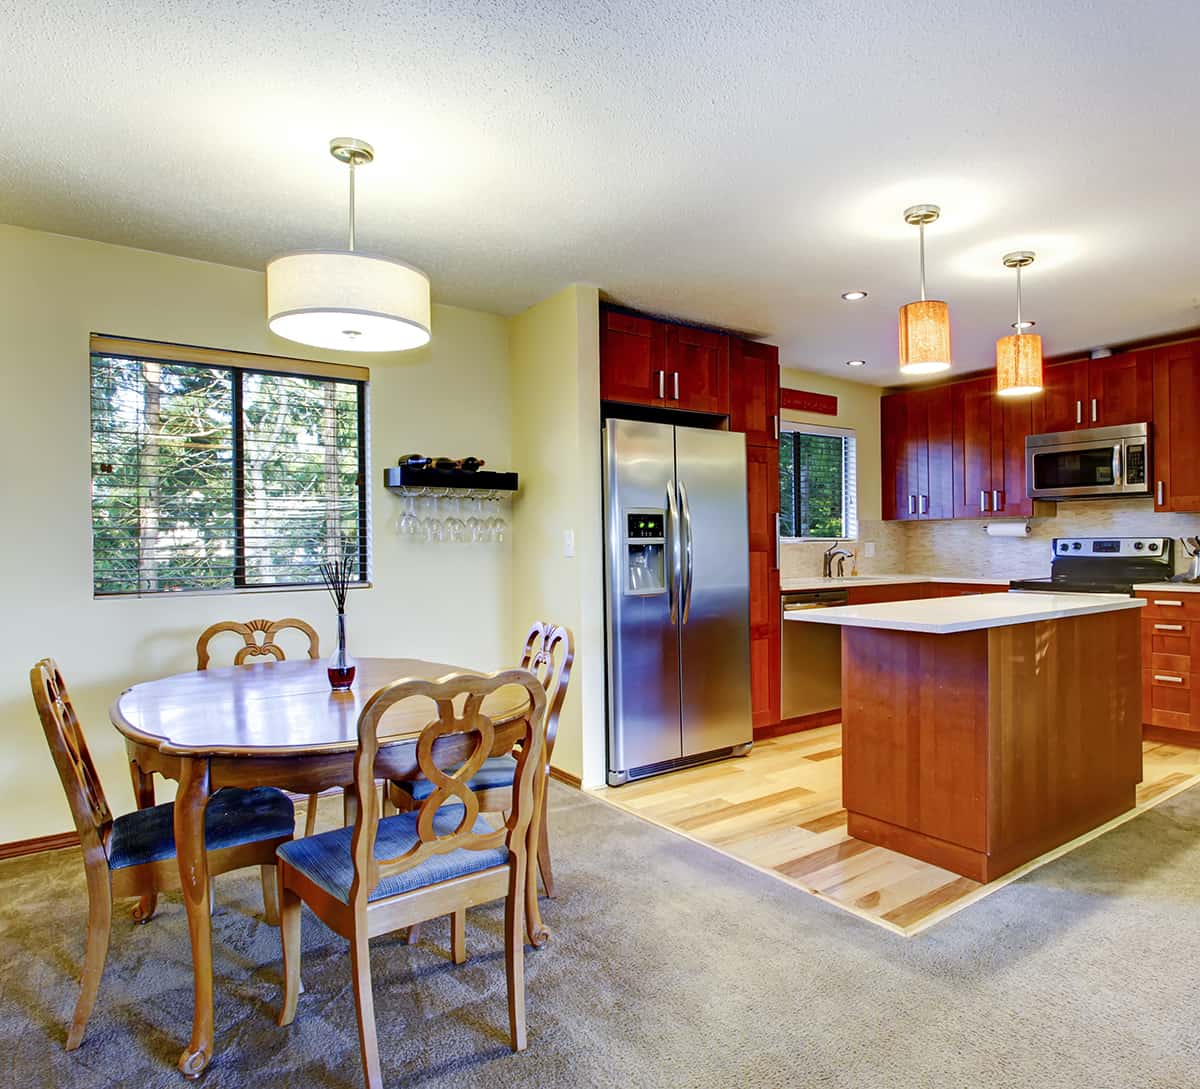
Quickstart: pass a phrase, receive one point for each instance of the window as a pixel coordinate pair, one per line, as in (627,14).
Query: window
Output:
(817,482)
(222,471)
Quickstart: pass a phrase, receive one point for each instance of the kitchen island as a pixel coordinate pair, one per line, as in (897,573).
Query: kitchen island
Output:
(980,732)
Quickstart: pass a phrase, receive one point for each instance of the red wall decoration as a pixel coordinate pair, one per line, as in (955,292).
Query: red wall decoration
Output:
(802,401)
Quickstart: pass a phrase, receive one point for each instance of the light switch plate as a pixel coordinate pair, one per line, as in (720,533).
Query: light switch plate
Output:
(568,543)
(868,549)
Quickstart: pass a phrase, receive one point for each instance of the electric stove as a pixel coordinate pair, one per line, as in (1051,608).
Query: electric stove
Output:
(1104,565)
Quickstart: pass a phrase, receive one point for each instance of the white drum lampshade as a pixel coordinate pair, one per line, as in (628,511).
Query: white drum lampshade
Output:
(348,301)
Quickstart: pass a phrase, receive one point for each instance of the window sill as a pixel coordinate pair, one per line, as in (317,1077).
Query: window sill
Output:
(232,591)
(818,540)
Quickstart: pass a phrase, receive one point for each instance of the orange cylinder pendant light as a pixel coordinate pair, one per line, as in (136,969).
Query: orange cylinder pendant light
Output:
(1019,357)
(924,325)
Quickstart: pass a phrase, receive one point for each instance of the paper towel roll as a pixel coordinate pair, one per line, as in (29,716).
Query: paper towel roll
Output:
(1007,529)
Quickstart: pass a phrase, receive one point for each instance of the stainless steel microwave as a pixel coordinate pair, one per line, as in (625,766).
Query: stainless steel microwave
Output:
(1094,463)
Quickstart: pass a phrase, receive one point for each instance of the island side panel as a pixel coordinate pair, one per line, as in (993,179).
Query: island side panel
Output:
(914,770)
(1065,735)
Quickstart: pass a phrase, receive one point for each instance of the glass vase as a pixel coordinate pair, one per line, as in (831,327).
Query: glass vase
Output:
(341,666)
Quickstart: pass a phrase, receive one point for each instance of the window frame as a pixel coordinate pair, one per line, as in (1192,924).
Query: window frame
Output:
(238,365)
(850,517)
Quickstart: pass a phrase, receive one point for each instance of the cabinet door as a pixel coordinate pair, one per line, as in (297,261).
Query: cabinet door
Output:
(697,370)
(633,358)
(754,390)
(932,450)
(1176,435)
(1012,421)
(1120,389)
(899,498)
(1063,404)
(973,405)
(762,504)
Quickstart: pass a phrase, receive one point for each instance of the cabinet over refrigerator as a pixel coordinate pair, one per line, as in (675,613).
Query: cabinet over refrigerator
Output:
(678,597)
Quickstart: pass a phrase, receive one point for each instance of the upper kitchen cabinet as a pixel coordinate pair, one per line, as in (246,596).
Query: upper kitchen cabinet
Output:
(917,442)
(989,450)
(644,361)
(1176,446)
(1096,393)
(754,391)
(633,358)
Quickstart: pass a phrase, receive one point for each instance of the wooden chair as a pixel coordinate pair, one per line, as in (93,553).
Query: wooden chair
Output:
(268,648)
(443,857)
(134,855)
(549,653)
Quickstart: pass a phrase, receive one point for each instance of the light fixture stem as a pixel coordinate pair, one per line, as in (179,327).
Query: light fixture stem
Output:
(351,164)
(1019,300)
(922,229)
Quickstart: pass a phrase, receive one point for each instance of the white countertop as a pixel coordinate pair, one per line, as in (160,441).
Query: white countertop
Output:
(1168,588)
(944,615)
(816,582)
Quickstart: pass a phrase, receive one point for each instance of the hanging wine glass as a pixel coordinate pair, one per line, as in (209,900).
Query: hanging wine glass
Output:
(474,525)
(409,524)
(456,528)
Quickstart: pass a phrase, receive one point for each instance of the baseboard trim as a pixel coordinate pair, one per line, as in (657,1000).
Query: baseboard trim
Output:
(565,777)
(798,724)
(20,847)
(1188,739)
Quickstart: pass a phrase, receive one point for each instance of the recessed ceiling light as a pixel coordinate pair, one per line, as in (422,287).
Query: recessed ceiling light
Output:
(856,362)
(1023,324)
(853,296)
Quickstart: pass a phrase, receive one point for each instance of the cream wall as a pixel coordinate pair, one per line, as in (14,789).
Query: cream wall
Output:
(450,602)
(555,366)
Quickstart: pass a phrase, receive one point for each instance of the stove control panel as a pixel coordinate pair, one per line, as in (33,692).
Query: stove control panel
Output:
(1141,548)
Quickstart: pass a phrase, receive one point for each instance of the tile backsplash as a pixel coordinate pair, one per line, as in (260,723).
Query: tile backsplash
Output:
(962,548)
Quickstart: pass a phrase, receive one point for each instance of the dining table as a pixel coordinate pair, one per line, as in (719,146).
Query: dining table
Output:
(280,724)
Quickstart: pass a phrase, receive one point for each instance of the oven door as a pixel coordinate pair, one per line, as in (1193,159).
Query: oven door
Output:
(1076,469)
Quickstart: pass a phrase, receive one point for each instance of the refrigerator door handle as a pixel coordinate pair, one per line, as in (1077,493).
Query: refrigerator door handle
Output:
(675,579)
(687,575)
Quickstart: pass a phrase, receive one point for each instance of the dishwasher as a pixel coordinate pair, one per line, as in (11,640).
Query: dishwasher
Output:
(810,671)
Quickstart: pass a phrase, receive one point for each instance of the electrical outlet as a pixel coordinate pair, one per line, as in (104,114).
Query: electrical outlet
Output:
(868,549)
(568,544)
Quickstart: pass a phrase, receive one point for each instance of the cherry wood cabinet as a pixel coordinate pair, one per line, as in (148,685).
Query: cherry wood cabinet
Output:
(917,445)
(754,390)
(645,361)
(1170,649)
(762,502)
(989,450)
(1176,442)
(1096,392)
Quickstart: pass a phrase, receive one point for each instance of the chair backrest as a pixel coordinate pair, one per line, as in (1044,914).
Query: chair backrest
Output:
(253,648)
(85,795)
(448,786)
(548,655)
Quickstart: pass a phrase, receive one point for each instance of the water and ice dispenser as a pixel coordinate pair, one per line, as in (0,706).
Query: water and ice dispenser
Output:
(645,552)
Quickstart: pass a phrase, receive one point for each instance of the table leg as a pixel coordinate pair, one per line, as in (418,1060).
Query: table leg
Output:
(536,930)
(190,804)
(143,796)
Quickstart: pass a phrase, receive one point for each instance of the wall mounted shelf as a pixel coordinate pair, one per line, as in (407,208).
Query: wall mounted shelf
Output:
(483,484)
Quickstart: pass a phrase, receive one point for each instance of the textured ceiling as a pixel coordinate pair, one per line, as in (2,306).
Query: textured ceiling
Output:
(734,163)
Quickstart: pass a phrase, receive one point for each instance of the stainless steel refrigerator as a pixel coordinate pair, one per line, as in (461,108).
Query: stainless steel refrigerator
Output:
(678,597)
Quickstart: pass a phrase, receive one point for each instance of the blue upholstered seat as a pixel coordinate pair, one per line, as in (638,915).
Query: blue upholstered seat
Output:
(326,859)
(497,771)
(233,817)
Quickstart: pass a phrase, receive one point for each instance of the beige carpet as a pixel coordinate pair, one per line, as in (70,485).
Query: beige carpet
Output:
(671,965)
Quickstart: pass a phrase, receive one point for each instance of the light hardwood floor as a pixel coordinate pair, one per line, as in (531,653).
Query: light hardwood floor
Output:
(780,810)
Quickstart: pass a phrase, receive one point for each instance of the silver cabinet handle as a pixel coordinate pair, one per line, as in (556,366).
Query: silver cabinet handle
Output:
(924,504)
(777,541)
(675,376)
(688,575)
(1079,412)
(912,504)
(675,582)
(662,384)
(1161,494)
(1168,627)
(1168,678)
(1176,604)
(1093,410)
(982,501)
(997,500)
(776,419)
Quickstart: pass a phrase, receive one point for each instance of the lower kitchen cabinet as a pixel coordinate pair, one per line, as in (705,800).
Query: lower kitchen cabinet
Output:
(762,507)
(1170,646)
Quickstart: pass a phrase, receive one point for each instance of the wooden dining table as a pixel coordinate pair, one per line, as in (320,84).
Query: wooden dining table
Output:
(279,724)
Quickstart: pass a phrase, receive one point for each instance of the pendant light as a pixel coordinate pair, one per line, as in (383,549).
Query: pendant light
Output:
(1019,357)
(344,299)
(924,325)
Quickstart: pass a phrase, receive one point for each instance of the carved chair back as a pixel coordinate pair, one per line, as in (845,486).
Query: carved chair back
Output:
(440,747)
(64,734)
(548,655)
(253,648)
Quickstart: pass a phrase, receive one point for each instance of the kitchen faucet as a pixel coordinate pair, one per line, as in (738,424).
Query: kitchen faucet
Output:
(831,553)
